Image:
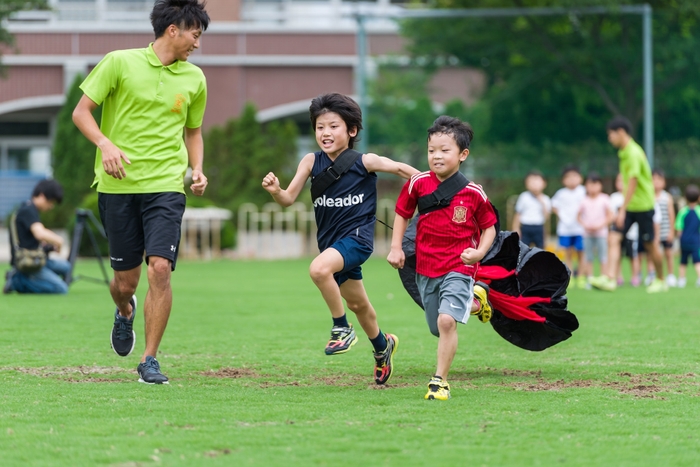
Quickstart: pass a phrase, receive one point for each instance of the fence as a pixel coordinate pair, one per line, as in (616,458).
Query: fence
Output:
(274,232)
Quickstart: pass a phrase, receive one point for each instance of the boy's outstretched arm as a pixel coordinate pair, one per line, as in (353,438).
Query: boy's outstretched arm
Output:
(375,163)
(474,255)
(287,197)
(396,256)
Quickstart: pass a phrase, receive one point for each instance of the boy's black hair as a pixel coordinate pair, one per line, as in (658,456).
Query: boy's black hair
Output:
(593,177)
(534,173)
(620,122)
(51,189)
(692,193)
(341,104)
(569,168)
(185,14)
(658,172)
(461,131)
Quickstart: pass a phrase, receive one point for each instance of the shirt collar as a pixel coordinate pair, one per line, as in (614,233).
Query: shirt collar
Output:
(155,61)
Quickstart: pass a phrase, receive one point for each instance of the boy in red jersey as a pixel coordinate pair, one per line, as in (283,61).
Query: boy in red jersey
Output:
(450,242)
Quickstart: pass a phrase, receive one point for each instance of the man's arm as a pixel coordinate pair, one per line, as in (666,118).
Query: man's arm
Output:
(195,154)
(622,212)
(111,155)
(43,234)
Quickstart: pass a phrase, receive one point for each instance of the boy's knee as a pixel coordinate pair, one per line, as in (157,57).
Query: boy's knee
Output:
(446,323)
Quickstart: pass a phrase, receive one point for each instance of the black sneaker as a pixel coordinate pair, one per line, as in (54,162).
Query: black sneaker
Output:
(149,372)
(123,337)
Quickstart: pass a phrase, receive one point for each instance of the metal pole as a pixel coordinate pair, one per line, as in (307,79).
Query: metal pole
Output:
(648,87)
(360,79)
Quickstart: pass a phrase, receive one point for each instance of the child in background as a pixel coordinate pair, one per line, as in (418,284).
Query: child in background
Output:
(595,215)
(688,228)
(664,202)
(532,210)
(565,204)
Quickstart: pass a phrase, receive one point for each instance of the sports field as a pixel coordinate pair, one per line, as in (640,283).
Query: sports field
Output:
(250,384)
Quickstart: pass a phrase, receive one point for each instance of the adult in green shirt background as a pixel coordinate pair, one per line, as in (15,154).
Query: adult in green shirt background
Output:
(637,207)
(148,97)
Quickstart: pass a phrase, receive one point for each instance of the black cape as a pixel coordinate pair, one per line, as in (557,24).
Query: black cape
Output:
(528,287)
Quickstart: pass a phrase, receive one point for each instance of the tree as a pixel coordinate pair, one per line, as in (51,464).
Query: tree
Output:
(557,77)
(73,157)
(7,8)
(238,156)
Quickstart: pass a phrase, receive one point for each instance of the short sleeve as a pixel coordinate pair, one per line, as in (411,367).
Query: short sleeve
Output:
(519,203)
(195,112)
(406,202)
(680,218)
(102,80)
(485,215)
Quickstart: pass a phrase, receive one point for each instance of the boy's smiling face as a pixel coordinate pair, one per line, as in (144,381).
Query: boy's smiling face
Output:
(332,134)
(444,155)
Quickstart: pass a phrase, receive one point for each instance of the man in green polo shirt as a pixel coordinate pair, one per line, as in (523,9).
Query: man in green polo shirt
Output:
(148,97)
(637,207)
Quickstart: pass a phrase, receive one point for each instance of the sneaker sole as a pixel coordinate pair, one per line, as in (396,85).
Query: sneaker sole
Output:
(337,352)
(133,335)
(146,382)
(391,358)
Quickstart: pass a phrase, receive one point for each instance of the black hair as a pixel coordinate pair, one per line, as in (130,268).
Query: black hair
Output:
(593,177)
(185,14)
(459,130)
(534,173)
(570,168)
(51,189)
(692,193)
(620,122)
(341,104)
(659,173)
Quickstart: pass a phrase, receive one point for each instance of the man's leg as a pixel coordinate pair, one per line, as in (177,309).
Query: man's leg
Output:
(44,281)
(123,287)
(654,254)
(159,302)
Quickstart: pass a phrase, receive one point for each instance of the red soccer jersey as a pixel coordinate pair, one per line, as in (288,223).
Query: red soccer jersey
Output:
(442,235)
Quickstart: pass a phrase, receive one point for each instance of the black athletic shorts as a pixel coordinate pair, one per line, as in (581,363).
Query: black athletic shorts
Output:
(645,221)
(139,223)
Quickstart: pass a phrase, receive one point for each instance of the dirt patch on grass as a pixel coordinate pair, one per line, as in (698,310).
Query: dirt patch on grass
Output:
(231,373)
(637,385)
(81,374)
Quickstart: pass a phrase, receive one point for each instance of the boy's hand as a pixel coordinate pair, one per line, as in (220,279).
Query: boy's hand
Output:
(396,258)
(471,256)
(271,183)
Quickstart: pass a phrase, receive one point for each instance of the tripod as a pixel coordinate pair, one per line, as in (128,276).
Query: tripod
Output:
(81,225)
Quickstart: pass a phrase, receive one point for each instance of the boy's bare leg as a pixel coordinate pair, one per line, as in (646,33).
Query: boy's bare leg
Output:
(122,288)
(447,344)
(321,271)
(353,291)
(159,302)
(614,246)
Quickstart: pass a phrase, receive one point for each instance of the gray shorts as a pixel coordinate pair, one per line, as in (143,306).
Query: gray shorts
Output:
(592,245)
(451,294)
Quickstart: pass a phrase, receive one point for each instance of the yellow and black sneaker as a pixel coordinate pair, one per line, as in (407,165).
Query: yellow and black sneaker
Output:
(342,338)
(481,294)
(438,389)
(384,361)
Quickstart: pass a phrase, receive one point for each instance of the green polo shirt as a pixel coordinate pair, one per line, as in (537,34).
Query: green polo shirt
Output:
(146,105)
(634,164)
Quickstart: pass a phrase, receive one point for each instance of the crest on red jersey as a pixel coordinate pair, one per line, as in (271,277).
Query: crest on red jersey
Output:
(460,214)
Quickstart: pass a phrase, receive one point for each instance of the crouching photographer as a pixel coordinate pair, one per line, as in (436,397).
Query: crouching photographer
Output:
(30,242)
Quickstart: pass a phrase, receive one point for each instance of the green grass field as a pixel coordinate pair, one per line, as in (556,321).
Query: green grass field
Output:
(250,384)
